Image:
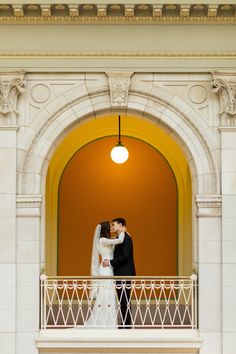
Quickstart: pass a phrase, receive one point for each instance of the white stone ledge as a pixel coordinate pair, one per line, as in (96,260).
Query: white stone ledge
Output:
(139,339)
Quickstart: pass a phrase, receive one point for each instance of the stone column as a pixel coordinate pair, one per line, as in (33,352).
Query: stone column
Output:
(11,85)
(224,85)
(209,270)
(28,229)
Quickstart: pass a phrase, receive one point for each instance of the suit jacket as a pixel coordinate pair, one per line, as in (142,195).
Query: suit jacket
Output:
(123,261)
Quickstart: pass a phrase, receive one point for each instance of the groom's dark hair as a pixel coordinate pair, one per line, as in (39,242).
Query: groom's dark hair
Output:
(120,221)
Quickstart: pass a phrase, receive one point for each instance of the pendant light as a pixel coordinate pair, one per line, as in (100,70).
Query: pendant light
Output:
(119,153)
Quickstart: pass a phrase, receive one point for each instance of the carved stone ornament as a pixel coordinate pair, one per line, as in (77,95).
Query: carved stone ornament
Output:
(225,88)
(10,87)
(119,87)
(157,12)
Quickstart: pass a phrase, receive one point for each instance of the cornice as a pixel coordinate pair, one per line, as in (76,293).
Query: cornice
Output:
(119,13)
(118,55)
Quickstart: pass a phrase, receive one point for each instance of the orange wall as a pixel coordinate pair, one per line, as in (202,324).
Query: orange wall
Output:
(143,190)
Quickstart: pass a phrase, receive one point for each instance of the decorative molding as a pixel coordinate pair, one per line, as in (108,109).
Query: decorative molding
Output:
(118,55)
(46,11)
(74,10)
(197,94)
(119,87)
(40,92)
(119,350)
(209,205)
(136,12)
(9,127)
(28,205)
(11,85)
(227,129)
(225,88)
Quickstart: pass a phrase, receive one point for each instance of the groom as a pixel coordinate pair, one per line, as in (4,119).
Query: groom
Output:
(123,264)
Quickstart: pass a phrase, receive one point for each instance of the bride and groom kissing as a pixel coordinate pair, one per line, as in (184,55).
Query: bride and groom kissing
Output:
(112,298)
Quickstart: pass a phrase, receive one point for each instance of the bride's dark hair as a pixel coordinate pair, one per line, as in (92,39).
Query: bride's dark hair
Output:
(105,229)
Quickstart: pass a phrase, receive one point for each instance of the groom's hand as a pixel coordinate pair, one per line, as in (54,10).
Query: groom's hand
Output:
(105,263)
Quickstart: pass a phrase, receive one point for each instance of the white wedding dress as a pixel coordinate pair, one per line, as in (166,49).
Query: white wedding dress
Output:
(103,314)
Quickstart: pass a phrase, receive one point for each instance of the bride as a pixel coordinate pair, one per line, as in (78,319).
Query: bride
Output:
(104,311)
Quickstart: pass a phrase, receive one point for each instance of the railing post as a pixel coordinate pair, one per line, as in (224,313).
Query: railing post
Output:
(194,300)
(43,279)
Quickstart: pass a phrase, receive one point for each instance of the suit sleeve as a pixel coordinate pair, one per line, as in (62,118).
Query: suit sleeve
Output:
(126,253)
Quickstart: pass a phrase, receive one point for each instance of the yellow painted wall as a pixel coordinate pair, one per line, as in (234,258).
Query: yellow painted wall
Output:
(132,126)
(143,191)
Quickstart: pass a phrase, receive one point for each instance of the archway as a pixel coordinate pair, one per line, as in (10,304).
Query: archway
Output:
(78,111)
(143,190)
(139,129)
(60,117)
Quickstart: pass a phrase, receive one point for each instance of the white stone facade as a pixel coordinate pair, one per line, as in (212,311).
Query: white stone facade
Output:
(36,112)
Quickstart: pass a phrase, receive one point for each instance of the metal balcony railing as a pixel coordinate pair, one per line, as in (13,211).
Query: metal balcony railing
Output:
(113,302)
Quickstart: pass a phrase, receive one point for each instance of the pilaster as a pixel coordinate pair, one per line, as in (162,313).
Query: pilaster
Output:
(224,85)
(11,85)
(209,268)
(28,247)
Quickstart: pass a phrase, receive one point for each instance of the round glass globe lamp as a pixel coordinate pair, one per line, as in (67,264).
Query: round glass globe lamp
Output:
(119,154)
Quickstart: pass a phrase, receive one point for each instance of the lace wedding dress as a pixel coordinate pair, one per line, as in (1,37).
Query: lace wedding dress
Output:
(103,314)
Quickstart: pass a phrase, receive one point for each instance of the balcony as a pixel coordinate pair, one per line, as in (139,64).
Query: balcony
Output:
(162,310)
(155,302)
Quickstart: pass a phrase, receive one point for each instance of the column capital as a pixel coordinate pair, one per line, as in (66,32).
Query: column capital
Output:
(11,85)
(209,206)
(224,85)
(119,87)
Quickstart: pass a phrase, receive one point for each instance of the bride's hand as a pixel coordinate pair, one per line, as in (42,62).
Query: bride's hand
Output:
(105,263)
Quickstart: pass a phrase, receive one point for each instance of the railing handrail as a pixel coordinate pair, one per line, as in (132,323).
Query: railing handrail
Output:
(137,277)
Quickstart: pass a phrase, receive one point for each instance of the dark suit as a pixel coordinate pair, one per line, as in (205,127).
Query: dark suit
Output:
(123,264)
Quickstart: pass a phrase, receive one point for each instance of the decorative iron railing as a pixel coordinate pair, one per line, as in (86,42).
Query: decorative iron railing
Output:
(113,302)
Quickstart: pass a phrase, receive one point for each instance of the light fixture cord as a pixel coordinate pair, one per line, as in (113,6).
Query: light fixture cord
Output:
(119,140)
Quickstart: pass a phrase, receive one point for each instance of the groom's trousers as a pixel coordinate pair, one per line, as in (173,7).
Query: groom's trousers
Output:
(123,292)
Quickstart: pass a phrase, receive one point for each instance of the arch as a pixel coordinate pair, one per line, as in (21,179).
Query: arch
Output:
(160,107)
(136,128)
(79,105)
